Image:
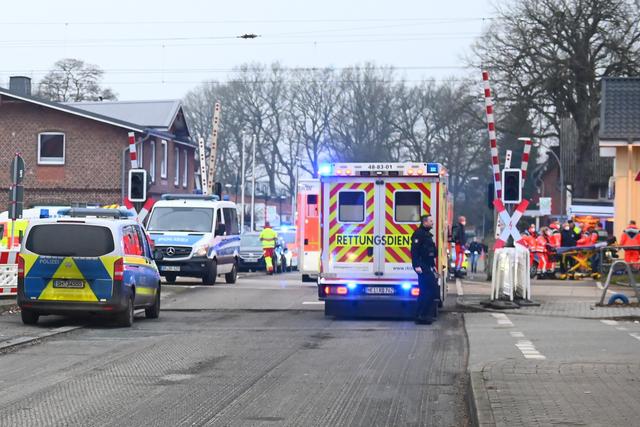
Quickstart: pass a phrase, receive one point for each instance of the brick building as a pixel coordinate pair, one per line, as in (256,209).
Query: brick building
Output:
(78,152)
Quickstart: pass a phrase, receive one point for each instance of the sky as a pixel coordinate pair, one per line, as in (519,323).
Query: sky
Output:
(162,49)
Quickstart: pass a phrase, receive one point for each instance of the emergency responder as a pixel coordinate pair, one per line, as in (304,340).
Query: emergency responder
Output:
(423,255)
(460,240)
(268,238)
(631,237)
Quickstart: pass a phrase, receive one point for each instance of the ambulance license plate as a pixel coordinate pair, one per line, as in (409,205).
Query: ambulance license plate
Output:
(379,290)
(68,284)
(170,268)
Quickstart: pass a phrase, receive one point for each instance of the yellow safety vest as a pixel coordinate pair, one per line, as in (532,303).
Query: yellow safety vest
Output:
(268,238)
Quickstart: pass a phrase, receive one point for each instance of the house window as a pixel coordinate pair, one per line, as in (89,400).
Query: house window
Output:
(163,161)
(51,148)
(185,172)
(176,177)
(152,163)
(139,154)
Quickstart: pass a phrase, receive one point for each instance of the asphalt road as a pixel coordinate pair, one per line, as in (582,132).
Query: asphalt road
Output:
(260,352)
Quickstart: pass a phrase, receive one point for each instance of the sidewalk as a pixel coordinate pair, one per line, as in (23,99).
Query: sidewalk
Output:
(562,363)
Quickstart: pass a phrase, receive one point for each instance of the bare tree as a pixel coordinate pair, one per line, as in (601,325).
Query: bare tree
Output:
(551,55)
(72,80)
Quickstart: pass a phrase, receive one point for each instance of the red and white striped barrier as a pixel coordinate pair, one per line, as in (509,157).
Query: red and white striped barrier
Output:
(525,159)
(495,160)
(133,155)
(510,222)
(8,272)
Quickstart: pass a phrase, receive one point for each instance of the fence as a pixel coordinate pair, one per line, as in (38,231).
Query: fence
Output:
(510,274)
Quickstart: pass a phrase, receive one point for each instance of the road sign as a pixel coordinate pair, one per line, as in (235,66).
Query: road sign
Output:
(510,222)
(16,191)
(17,170)
(545,205)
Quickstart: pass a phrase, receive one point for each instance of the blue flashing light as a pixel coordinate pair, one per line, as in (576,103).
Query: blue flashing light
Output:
(432,168)
(352,285)
(44,213)
(284,228)
(406,286)
(324,169)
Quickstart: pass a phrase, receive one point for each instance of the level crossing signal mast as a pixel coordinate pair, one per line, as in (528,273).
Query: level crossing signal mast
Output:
(512,186)
(137,185)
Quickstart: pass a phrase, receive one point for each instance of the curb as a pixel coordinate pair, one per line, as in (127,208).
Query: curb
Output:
(476,308)
(478,401)
(20,341)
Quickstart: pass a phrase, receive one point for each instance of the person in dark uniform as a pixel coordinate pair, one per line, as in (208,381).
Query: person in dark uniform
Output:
(423,256)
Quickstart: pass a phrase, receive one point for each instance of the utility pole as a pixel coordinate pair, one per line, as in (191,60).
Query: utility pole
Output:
(253,180)
(214,147)
(242,167)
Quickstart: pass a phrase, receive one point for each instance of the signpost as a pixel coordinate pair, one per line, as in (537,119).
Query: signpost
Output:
(16,193)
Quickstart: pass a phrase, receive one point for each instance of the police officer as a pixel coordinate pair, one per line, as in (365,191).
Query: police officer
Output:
(423,255)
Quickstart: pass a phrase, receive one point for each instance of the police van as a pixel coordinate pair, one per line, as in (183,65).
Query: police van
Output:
(198,235)
(368,213)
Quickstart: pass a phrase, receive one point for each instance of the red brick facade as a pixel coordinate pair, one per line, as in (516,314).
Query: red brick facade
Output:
(92,170)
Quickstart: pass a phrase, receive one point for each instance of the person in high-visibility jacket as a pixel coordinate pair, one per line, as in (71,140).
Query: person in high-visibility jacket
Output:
(631,237)
(268,238)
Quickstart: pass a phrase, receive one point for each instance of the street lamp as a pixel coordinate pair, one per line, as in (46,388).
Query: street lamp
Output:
(555,156)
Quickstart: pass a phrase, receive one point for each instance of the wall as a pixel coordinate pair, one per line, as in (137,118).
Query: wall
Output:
(93,150)
(627,197)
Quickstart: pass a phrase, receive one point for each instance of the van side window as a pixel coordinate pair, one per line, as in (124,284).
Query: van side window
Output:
(312,205)
(231,221)
(218,219)
(130,241)
(144,242)
(407,206)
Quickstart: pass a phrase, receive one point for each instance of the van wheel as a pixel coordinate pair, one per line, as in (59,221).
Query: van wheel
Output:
(231,276)
(153,312)
(170,278)
(210,273)
(29,317)
(125,319)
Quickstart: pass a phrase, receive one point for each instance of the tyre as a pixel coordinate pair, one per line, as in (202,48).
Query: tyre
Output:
(29,317)
(153,312)
(170,278)
(125,319)
(231,276)
(210,273)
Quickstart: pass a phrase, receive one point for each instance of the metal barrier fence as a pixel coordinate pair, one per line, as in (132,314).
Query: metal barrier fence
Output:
(8,273)
(510,276)
(632,280)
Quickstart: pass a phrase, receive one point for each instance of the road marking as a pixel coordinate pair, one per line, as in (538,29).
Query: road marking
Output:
(312,302)
(517,334)
(622,328)
(502,319)
(528,350)
(459,288)
(636,336)
(609,322)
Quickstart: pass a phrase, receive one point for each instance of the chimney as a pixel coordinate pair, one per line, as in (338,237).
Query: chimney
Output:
(20,85)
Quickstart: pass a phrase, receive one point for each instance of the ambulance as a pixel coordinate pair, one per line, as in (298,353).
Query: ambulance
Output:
(368,213)
(308,229)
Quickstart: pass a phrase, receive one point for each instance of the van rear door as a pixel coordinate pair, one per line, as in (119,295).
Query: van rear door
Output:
(69,262)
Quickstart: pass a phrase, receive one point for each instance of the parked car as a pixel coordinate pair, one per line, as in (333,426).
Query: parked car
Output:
(93,261)
(251,257)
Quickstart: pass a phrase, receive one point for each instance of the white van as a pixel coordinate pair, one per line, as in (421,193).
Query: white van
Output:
(198,235)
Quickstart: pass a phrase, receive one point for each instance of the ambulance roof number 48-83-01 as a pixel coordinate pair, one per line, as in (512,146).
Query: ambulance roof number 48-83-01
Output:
(382,169)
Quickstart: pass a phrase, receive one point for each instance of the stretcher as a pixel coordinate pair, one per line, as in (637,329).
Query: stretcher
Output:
(578,261)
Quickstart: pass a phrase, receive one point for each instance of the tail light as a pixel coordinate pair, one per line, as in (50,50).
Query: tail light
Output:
(118,269)
(342,290)
(327,290)
(20,267)
(415,292)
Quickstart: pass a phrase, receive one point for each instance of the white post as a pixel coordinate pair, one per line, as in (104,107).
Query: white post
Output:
(214,147)
(242,189)
(203,165)
(253,180)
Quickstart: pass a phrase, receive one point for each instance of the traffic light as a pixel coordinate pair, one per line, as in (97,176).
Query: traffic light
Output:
(512,186)
(491,194)
(137,185)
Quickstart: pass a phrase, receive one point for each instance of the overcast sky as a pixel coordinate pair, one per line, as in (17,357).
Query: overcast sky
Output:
(161,49)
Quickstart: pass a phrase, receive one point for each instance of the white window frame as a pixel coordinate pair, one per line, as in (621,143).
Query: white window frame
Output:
(176,162)
(164,160)
(139,153)
(185,173)
(152,162)
(420,213)
(364,206)
(53,160)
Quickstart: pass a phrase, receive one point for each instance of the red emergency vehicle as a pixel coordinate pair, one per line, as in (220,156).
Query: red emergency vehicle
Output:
(308,229)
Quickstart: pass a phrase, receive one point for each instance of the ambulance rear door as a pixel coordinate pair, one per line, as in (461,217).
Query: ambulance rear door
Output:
(348,227)
(406,199)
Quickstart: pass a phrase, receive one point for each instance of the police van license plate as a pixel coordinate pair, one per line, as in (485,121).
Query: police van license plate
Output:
(68,284)
(379,290)
(170,268)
